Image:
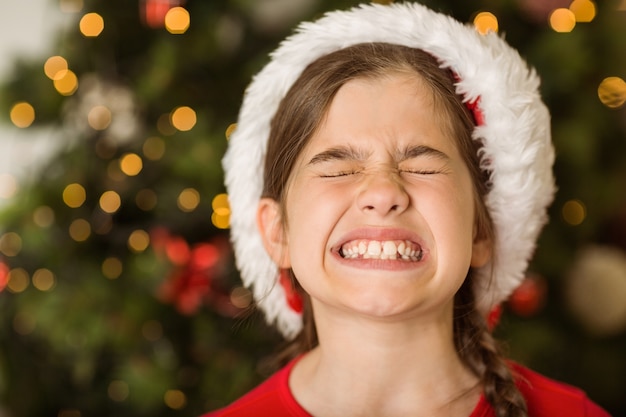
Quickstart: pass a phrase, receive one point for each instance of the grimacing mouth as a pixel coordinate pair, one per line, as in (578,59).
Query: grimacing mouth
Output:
(404,250)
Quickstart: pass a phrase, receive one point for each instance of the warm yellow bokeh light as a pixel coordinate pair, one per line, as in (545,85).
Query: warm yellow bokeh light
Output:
(241,297)
(574,212)
(43,216)
(486,22)
(110,202)
(99,117)
(67,84)
(91,25)
(220,221)
(177,20)
(74,195)
(584,10)
(612,92)
(131,164)
(8,186)
(183,118)
(220,204)
(55,67)
(10,244)
(22,114)
(146,199)
(80,230)
(188,199)
(112,268)
(43,279)
(138,240)
(154,148)
(562,20)
(18,280)
(175,399)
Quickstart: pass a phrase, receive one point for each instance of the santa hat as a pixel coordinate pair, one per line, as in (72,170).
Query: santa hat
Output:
(514,131)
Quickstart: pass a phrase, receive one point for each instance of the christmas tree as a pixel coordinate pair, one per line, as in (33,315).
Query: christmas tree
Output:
(118,292)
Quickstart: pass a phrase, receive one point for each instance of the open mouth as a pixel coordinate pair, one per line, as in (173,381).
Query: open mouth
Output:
(386,250)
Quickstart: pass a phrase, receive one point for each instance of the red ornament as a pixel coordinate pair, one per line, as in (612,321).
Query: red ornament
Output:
(529,298)
(153,11)
(4,275)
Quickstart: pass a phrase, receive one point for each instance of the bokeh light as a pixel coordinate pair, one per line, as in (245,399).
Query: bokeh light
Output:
(175,399)
(118,390)
(43,279)
(584,10)
(131,164)
(146,199)
(612,92)
(183,118)
(138,241)
(562,20)
(91,25)
(99,117)
(74,195)
(10,244)
(55,67)
(22,114)
(43,216)
(154,148)
(67,84)
(80,230)
(486,22)
(241,297)
(221,211)
(574,212)
(230,129)
(110,201)
(177,20)
(18,280)
(188,199)
(112,268)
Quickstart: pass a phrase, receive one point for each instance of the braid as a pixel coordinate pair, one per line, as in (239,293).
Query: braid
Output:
(480,352)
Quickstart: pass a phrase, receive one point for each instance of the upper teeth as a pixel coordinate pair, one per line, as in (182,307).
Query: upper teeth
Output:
(387,249)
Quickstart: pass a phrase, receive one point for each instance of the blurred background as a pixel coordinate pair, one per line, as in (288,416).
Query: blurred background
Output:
(118,295)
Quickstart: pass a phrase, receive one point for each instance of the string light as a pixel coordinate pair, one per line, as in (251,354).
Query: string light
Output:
(110,202)
(22,114)
(221,211)
(131,164)
(230,129)
(183,118)
(584,10)
(10,244)
(188,199)
(67,84)
(562,20)
(43,216)
(112,268)
(486,22)
(74,195)
(175,399)
(177,20)
(80,230)
(91,25)
(138,241)
(612,92)
(55,67)
(43,279)
(574,212)
(8,186)
(99,117)
(18,280)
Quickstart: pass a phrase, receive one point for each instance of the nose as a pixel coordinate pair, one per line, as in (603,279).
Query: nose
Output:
(383,194)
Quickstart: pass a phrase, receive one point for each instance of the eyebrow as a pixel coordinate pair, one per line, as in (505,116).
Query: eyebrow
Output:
(344,153)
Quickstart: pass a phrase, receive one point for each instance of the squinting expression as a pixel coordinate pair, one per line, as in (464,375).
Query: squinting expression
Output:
(380,210)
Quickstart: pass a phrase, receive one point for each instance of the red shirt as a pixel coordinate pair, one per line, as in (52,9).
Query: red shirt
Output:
(544,397)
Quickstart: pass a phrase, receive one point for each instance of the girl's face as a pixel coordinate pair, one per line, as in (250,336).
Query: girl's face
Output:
(379,207)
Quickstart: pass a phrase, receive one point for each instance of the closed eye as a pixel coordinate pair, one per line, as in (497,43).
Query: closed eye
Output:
(421,171)
(338,174)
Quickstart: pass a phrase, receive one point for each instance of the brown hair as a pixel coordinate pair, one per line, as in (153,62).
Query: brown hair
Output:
(295,121)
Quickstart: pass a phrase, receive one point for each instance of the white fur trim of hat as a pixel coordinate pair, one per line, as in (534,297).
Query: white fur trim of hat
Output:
(515,132)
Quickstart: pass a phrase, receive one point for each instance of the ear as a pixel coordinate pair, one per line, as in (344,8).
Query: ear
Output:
(270,224)
(481,252)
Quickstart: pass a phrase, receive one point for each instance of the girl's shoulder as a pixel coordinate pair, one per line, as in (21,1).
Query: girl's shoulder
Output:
(546,397)
(273,397)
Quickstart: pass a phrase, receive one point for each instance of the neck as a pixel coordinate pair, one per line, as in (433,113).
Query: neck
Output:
(405,367)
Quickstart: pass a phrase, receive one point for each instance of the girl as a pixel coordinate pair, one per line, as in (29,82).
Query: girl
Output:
(388,178)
